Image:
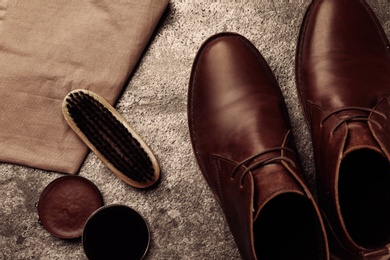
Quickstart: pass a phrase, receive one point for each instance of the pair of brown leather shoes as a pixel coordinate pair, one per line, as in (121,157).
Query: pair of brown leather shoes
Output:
(242,139)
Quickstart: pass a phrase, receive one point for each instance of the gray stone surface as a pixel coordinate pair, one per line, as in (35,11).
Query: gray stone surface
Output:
(185,220)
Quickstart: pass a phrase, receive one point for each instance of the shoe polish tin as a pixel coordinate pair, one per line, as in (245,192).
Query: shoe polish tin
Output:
(116,232)
(65,205)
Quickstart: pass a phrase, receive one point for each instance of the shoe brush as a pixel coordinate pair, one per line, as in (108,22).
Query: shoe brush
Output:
(111,138)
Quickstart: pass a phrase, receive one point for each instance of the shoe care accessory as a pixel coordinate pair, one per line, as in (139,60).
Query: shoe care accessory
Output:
(65,205)
(116,232)
(71,207)
(111,138)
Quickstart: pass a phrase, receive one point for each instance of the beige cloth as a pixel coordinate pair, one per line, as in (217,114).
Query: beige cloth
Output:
(48,48)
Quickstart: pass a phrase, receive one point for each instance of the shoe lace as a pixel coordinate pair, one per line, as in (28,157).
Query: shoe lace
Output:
(263,162)
(356,117)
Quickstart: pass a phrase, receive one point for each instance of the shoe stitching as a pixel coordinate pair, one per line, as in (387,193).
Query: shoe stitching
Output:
(217,164)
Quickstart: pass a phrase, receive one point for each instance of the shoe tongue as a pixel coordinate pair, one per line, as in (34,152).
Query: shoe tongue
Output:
(360,137)
(270,181)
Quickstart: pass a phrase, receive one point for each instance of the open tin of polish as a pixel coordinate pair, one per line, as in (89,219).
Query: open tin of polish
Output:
(116,232)
(65,205)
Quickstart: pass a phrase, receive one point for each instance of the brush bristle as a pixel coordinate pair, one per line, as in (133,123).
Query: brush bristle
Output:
(109,137)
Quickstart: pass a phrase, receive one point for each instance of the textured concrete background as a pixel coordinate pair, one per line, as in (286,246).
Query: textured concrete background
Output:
(184,218)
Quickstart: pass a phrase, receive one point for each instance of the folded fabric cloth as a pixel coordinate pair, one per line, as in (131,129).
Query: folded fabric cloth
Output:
(47,49)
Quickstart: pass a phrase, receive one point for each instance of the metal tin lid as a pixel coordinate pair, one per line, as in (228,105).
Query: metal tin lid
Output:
(116,232)
(65,205)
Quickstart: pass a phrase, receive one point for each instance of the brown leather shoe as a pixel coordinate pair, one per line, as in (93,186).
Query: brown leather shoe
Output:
(242,141)
(343,79)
